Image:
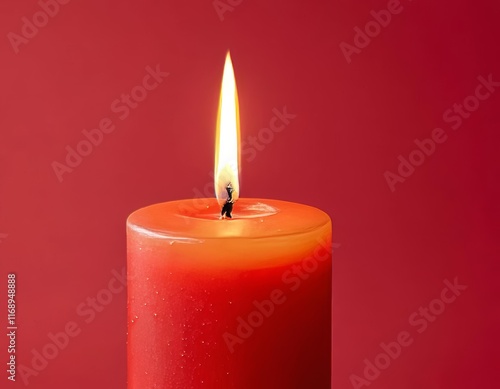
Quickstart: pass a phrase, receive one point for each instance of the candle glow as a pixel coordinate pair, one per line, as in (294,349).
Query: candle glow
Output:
(227,150)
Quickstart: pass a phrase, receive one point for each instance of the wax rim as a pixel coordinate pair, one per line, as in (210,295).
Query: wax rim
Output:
(192,221)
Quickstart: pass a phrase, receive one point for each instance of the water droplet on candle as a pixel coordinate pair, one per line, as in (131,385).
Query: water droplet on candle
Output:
(230,302)
(147,278)
(155,315)
(157,292)
(145,304)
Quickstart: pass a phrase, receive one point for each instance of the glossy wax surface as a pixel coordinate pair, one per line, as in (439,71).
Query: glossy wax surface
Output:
(241,303)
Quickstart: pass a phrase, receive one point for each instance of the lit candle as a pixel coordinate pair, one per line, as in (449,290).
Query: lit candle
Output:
(240,303)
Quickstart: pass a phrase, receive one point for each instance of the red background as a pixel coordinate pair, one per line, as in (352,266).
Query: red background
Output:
(353,120)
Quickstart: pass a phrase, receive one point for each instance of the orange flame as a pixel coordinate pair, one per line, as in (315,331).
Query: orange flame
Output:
(227,147)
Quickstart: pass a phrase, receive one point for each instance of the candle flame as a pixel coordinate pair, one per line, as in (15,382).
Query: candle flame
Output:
(227,147)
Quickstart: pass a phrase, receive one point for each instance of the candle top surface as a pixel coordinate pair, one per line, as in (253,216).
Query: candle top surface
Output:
(252,218)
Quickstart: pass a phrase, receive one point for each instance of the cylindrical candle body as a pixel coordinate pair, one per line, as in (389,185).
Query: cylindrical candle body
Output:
(241,303)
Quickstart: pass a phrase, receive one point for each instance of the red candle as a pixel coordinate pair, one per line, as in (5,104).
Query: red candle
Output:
(240,303)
